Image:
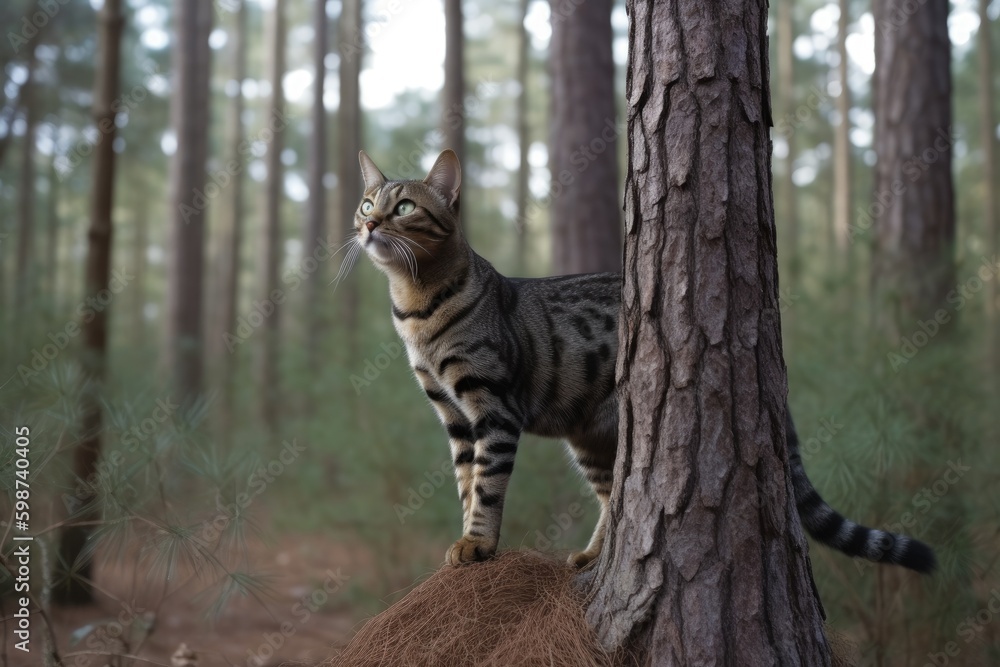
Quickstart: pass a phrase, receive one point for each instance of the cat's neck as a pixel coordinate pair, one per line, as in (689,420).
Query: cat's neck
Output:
(450,272)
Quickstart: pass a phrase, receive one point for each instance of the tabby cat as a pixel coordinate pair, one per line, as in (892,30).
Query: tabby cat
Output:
(501,356)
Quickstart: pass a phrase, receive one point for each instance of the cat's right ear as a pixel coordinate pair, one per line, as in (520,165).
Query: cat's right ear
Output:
(369,172)
(446,176)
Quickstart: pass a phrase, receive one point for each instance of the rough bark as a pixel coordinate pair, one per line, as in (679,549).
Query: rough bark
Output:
(788,218)
(351,45)
(270,248)
(842,140)
(586,209)
(231,244)
(189,113)
(706,562)
(76,589)
(914,212)
(523,140)
(453,102)
(988,126)
(315,233)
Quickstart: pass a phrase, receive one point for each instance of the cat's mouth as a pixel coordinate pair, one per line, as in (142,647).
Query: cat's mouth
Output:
(377,246)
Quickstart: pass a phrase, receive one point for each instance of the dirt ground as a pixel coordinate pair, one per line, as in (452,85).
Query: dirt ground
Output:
(303,616)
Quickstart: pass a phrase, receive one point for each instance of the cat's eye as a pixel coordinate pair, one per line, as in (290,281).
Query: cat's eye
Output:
(367,207)
(405,207)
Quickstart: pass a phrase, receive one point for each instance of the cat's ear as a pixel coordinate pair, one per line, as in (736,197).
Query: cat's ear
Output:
(369,172)
(446,176)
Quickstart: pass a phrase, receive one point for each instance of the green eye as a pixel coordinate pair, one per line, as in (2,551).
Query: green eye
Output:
(405,207)
(367,207)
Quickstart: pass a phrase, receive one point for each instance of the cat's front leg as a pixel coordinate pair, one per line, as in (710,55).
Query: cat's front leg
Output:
(460,442)
(496,437)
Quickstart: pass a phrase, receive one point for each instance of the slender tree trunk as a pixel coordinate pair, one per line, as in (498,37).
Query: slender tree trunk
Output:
(706,562)
(315,233)
(140,245)
(189,111)
(351,45)
(786,104)
(76,588)
(24,274)
(453,117)
(267,357)
(230,247)
(913,269)
(989,138)
(523,140)
(52,235)
(842,142)
(586,210)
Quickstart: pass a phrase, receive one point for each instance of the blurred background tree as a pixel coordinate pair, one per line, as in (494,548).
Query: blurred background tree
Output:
(188,315)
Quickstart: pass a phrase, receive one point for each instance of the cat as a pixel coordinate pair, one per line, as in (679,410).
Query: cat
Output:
(498,357)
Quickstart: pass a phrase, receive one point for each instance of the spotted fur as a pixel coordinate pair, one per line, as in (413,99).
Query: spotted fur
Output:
(498,357)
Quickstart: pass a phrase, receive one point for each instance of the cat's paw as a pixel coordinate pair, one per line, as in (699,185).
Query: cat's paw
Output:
(583,559)
(470,549)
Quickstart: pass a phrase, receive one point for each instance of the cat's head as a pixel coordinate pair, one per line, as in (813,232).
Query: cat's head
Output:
(405,226)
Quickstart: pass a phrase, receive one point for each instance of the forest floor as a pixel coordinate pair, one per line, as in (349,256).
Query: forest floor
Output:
(301,616)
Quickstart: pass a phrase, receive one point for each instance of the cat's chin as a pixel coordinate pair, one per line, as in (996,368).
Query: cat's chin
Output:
(381,254)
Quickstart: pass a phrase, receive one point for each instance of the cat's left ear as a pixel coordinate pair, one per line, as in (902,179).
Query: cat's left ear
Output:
(446,176)
(369,172)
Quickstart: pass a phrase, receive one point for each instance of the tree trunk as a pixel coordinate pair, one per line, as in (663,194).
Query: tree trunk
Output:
(706,562)
(315,233)
(842,141)
(267,353)
(914,211)
(231,242)
(189,111)
(52,235)
(140,245)
(586,210)
(75,588)
(989,138)
(453,104)
(786,105)
(24,274)
(523,140)
(351,45)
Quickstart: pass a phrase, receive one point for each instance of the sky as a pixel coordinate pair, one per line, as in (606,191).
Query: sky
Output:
(402,57)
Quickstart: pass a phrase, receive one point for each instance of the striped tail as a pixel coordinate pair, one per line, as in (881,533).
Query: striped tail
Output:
(827,526)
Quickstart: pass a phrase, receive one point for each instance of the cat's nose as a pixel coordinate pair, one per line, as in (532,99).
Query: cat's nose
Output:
(371,224)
